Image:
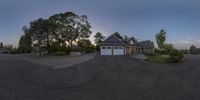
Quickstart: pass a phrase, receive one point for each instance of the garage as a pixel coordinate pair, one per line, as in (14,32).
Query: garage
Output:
(106,50)
(118,50)
(112,46)
(112,50)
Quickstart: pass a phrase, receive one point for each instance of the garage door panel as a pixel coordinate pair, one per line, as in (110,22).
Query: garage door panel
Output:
(118,50)
(106,50)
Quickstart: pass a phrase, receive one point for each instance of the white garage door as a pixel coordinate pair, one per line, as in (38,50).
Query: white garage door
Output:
(106,50)
(118,50)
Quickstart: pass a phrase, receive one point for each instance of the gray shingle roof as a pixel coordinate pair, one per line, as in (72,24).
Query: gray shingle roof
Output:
(113,40)
(147,44)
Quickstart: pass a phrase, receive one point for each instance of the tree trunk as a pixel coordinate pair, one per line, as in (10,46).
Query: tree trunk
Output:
(48,44)
(70,43)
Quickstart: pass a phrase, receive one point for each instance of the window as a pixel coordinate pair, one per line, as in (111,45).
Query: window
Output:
(115,47)
(103,47)
(108,47)
(131,42)
(121,48)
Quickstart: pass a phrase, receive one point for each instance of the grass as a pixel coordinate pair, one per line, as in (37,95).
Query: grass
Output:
(161,59)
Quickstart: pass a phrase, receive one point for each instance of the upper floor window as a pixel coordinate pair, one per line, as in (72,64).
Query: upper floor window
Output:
(131,42)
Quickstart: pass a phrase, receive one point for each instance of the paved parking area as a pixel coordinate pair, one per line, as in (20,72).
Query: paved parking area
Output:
(101,78)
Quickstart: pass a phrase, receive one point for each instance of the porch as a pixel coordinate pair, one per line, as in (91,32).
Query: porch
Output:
(134,50)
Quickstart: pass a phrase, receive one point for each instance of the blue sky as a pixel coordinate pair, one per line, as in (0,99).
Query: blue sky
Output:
(139,18)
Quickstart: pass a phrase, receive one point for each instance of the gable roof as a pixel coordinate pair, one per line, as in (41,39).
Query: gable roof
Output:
(135,43)
(113,40)
(133,39)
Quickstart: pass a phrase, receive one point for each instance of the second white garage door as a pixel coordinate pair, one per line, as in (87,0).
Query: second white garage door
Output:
(106,50)
(118,50)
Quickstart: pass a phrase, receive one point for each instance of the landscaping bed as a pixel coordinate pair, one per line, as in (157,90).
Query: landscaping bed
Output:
(161,59)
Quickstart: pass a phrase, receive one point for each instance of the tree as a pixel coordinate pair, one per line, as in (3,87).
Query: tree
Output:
(168,47)
(21,47)
(38,32)
(1,45)
(71,27)
(84,43)
(126,38)
(160,39)
(25,42)
(118,35)
(98,38)
(193,49)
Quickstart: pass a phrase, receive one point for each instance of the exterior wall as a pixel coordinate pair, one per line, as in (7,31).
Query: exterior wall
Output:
(133,50)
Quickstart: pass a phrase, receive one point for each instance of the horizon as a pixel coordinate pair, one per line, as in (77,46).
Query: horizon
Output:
(139,18)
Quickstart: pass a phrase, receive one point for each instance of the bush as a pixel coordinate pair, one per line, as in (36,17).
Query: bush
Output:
(175,56)
(60,53)
(161,59)
(55,48)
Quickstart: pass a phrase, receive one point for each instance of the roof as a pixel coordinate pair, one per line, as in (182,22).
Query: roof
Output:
(147,44)
(113,40)
(134,42)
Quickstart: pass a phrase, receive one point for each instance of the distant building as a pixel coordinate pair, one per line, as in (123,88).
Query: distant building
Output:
(197,50)
(3,51)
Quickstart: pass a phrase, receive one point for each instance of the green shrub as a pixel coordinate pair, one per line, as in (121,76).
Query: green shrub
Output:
(162,59)
(54,48)
(175,56)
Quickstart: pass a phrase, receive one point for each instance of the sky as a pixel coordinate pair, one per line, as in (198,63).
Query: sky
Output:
(139,18)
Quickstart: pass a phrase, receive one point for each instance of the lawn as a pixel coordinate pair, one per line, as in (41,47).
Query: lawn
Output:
(158,58)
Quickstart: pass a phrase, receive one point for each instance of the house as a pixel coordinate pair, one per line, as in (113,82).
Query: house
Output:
(115,46)
(197,50)
(3,51)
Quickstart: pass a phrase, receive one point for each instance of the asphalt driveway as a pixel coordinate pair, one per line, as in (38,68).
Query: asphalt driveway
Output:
(101,78)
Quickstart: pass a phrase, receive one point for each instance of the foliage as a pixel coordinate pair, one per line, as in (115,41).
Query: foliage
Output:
(126,38)
(25,42)
(168,47)
(51,34)
(118,35)
(39,32)
(184,51)
(71,27)
(57,47)
(162,59)
(176,56)
(98,38)
(160,39)
(59,53)
(86,45)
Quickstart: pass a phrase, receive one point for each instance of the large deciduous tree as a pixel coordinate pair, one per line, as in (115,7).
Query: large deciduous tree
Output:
(160,39)
(39,34)
(71,27)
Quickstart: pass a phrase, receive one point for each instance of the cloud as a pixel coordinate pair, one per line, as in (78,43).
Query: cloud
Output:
(185,44)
